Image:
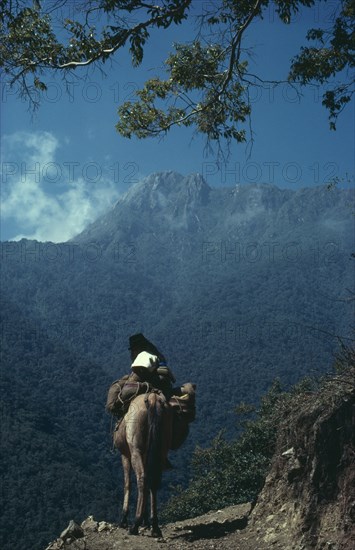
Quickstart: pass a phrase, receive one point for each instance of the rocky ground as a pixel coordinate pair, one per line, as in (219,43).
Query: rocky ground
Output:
(220,529)
(229,529)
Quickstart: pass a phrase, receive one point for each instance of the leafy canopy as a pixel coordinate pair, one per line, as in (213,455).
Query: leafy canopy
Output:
(207,81)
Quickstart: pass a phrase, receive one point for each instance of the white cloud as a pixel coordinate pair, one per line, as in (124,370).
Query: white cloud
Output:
(46,199)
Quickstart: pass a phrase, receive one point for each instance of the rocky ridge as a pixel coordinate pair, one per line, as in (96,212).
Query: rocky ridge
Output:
(171,203)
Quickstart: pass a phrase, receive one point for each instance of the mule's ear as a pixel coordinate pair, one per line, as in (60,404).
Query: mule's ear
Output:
(188,388)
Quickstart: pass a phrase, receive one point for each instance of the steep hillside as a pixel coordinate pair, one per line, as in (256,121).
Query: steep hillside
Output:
(307,501)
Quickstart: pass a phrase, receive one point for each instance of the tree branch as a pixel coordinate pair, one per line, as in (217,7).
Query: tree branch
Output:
(236,43)
(119,39)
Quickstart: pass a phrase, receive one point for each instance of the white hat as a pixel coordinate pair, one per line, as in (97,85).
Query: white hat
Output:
(145,360)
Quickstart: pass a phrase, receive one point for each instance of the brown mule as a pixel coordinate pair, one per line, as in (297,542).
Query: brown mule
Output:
(143,439)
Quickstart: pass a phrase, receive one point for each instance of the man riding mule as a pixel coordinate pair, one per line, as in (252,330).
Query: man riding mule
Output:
(153,418)
(149,364)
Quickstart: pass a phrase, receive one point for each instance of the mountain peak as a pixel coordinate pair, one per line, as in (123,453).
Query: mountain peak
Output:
(169,202)
(161,189)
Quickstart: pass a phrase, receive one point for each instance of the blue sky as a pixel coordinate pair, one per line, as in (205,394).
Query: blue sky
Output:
(64,165)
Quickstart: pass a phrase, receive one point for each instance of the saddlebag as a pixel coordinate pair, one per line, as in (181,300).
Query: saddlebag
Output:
(184,412)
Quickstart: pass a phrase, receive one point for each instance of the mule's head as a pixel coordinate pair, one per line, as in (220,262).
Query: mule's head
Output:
(188,388)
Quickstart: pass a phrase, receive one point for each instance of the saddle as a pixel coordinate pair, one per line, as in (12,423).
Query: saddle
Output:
(122,391)
(182,403)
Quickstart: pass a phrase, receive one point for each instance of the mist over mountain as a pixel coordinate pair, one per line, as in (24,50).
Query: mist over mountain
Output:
(235,285)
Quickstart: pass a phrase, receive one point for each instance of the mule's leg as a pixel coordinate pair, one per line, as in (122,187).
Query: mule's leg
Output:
(127,489)
(138,466)
(156,531)
(146,518)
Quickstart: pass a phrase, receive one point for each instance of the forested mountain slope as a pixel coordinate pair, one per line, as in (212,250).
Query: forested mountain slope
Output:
(235,285)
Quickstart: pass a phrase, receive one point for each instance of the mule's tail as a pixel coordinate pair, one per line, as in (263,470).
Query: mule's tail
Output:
(155,441)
